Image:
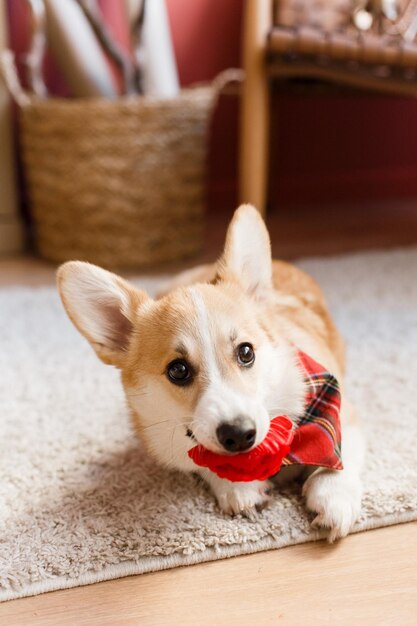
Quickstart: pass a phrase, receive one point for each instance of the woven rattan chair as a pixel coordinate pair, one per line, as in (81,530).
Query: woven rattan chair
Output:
(367,44)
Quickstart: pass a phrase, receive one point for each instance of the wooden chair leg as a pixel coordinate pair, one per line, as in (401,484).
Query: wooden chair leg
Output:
(254,122)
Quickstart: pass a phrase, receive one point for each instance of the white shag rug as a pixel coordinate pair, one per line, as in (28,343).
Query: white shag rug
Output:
(79,500)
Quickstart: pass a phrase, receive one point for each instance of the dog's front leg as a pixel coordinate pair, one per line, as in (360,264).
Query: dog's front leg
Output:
(237,497)
(336,495)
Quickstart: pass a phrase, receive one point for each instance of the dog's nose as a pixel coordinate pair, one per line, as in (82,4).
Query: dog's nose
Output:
(237,436)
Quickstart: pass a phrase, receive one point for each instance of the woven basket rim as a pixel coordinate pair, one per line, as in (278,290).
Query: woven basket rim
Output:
(206,91)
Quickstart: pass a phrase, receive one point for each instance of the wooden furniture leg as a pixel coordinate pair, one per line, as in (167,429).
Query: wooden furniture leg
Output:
(254,122)
(11,230)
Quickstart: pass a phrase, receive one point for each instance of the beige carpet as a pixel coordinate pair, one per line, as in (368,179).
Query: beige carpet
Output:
(79,500)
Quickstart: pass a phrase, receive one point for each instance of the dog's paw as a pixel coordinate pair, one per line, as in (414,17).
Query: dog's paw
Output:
(336,498)
(234,498)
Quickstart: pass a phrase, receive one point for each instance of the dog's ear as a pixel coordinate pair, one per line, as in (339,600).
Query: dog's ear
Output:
(102,306)
(247,251)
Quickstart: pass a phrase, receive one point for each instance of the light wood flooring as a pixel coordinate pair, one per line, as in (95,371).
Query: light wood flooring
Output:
(369,578)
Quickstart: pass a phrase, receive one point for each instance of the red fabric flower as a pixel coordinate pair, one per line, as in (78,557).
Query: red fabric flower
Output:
(316,439)
(258,464)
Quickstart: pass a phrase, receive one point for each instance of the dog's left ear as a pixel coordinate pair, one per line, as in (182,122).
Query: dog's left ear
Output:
(247,251)
(102,306)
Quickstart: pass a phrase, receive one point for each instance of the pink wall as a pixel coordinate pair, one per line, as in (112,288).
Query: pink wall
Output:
(206,36)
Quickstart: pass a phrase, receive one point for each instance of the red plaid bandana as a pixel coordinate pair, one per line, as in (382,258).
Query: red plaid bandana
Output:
(315,439)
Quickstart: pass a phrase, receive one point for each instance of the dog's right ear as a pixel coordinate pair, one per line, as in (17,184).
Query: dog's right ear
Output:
(102,306)
(247,252)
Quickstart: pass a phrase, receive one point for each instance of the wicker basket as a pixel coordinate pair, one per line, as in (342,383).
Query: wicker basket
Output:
(118,183)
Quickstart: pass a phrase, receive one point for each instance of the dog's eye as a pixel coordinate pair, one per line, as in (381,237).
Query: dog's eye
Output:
(245,354)
(179,372)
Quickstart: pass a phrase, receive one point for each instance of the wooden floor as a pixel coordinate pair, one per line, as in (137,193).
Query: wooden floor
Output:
(368,578)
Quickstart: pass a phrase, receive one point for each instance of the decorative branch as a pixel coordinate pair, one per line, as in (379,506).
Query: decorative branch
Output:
(129,68)
(34,58)
(134,8)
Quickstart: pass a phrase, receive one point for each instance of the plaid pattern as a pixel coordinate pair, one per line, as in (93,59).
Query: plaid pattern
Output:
(317,437)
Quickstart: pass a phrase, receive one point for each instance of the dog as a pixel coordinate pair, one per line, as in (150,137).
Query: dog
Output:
(212,361)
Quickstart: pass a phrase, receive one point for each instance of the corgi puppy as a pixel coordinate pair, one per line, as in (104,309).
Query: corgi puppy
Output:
(213,360)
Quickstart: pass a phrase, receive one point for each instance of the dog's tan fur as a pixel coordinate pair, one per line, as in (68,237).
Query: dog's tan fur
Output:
(140,336)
